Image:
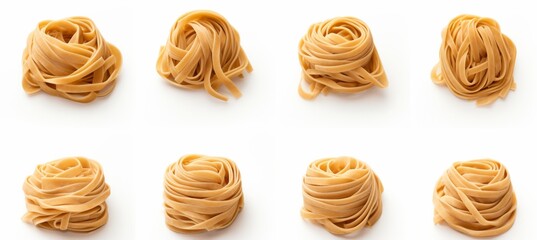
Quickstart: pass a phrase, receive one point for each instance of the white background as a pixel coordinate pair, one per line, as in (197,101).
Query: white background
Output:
(409,133)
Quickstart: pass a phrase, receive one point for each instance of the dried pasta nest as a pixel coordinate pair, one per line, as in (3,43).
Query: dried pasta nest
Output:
(69,58)
(338,55)
(202,193)
(67,194)
(342,194)
(203,51)
(476,60)
(476,198)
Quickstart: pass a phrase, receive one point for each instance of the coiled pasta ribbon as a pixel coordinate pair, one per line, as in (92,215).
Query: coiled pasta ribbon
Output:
(67,194)
(203,51)
(69,58)
(342,194)
(476,198)
(202,193)
(339,55)
(476,60)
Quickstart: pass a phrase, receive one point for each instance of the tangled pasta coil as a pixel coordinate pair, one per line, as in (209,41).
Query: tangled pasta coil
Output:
(476,60)
(203,51)
(476,198)
(342,194)
(339,55)
(67,194)
(202,193)
(69,58)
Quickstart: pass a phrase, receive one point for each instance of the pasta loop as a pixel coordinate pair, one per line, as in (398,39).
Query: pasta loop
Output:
(476,198)
(476,60)
(202,193)
(342,194)
(69,58)
(203,51)
(339,55)
(67,194)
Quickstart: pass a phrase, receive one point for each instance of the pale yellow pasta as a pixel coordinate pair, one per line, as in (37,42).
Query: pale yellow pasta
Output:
(202,193)
(69,58)
(67,194)
(342,194)
(338,55)
(476,198)
(203,51)
(476,60)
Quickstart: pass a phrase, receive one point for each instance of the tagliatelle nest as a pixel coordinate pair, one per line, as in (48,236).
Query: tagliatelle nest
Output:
(67,194)
(476,198)
(338,55)
(69,58)
(476,60)
(203,51)
(202,193)
(342,194)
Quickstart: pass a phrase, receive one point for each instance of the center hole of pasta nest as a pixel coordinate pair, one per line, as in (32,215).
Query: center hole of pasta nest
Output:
(338,166)
(348,32)
(66,33)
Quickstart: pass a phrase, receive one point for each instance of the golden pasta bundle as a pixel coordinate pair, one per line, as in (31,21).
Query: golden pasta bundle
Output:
(203,51)
(476,198)
(69,58)
(67,194)
(339,55)
(342,194)
(202,193)
(476,60)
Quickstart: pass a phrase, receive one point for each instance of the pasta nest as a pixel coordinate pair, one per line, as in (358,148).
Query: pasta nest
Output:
(342,194)
(203,51)
(476,60)
(339,55)
(67,194)
(69,58)
(202,193)
(476,198)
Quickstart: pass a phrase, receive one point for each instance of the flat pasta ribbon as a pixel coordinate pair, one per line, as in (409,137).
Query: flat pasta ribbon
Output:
(203,51)
(339,55)
(342,194)
(67,194)
(476,198)
(202,193)
(69,58)
(476,60)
